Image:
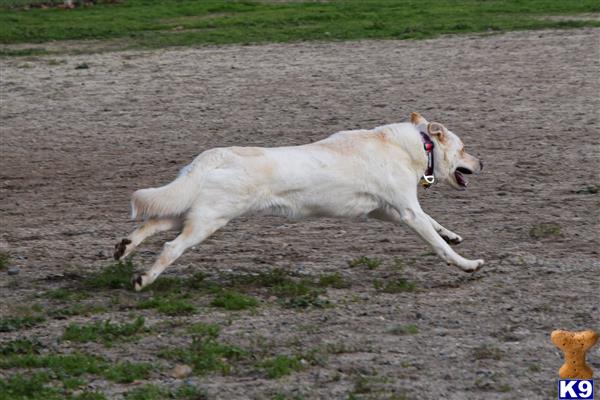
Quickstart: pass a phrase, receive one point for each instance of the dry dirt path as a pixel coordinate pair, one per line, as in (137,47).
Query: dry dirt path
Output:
(76,142)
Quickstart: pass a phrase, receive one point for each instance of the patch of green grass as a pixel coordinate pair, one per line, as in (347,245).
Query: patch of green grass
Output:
(68,367)
(370,263)
(4,257)
(292,292)
(10,324)
(114,276)
(21,346)
(233,301)
(300,294)
(590,189)
(534,368)
(334,280)
(487,352)
(188,392)
(281,365)
(206,353)
(127,372)
(154,392)
(154,23)
(169,305)
(76,309)
(362,385)
(66,294)
(22,387)
(206,331)
(147,392)
(106,331)
(545,230)
(398,285)
(409,329)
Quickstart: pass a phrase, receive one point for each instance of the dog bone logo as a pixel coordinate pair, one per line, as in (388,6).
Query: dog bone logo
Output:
(574,345)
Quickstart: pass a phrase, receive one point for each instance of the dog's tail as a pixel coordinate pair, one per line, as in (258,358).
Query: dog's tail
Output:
(170,200)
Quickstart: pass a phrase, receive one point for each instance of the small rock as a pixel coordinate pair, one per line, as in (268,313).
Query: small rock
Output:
(181,371)
(13,270)
(102,254)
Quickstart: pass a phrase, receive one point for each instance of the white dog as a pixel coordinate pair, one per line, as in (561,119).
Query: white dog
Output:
(372,173)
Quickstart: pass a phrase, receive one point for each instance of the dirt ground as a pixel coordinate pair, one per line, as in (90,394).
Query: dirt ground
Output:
(77,142)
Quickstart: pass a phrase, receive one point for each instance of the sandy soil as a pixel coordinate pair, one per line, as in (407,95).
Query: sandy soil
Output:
(77,142)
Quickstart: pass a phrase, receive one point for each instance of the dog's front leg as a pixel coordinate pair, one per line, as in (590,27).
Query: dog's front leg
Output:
(446,234)
(420,222)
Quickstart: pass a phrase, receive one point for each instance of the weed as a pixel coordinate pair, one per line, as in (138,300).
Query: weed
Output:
(269,279)
(299,294)
(127,372)
(409,329)
(281,366)
(362,385)
(4,258)
(231,300)
(545,230)
(154,392)
(370,263)
(114,276)
(76,309)
(68,365)
(398,285)
(534,368)
(20,387)
(10,324)
(105,331)
(147,392)
(202,330)
(206,353)
(65,294)
(188,392)
(590,189)
(334,280)
(169,305)
(21,346)
(487,352)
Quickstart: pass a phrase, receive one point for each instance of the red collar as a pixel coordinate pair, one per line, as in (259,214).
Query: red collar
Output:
(428,179)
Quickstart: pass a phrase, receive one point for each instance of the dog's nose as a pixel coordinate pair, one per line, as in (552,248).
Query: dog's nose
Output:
(480,165)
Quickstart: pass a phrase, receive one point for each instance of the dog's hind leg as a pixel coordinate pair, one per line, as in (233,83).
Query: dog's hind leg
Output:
(196,229)
(446,234)
(147,229)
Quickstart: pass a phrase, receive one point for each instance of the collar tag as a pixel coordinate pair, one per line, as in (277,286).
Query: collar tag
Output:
(427,180)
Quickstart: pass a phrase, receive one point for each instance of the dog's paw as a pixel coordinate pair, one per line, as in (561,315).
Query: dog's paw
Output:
(139,281)
(120,248)
(474,265)
(452,239)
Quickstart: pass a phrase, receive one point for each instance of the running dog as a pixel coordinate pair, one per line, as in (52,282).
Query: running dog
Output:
(373,173)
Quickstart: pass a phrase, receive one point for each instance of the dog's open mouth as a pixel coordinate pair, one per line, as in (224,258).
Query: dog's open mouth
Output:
(459,176)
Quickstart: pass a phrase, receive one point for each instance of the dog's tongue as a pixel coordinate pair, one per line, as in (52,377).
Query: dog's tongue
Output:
(460,179)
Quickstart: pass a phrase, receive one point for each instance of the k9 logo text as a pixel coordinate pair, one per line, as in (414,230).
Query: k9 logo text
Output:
(575,389)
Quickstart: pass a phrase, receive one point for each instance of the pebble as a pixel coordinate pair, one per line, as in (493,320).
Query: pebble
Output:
(14,270)
(181,371)
(102,254)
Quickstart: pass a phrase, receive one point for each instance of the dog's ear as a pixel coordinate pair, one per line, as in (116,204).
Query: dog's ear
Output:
(436,129)
(417,119)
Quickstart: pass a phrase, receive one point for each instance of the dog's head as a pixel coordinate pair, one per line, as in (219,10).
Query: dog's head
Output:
(452,162)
